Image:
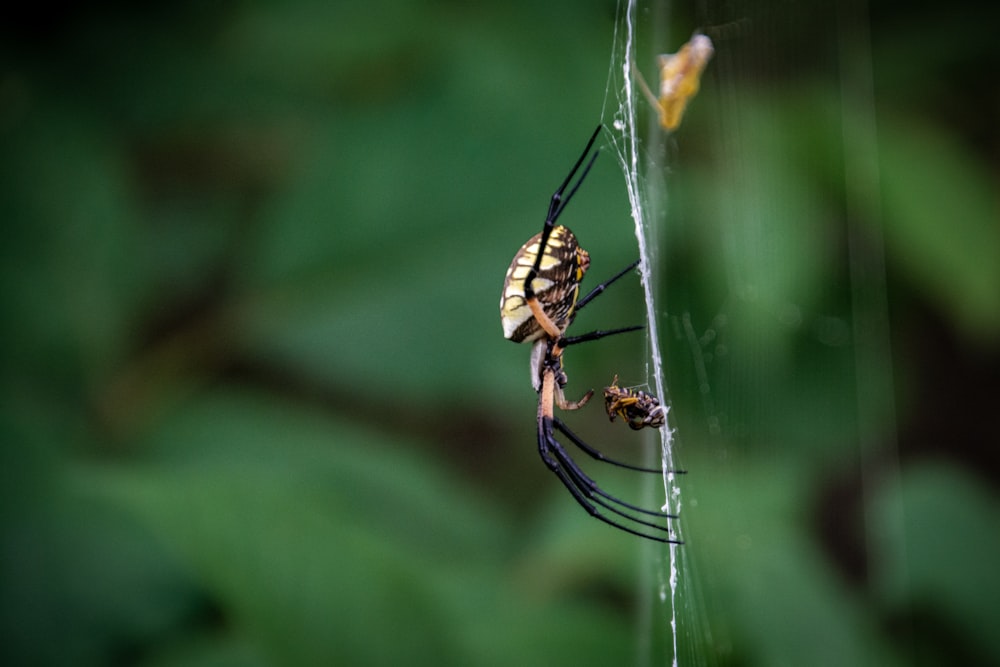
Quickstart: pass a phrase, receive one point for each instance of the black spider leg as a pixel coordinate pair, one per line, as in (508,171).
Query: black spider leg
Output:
(596,453)
(603,286)
(558,202)
(585,482)
(585,491)
(556,206)
(566,341)
(597,291)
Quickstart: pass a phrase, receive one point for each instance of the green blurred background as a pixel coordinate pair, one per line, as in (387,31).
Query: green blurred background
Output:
(257,408)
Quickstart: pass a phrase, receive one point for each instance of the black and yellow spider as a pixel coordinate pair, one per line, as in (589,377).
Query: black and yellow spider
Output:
(539,301)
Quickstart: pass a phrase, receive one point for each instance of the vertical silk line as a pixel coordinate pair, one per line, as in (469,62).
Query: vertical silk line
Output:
(626,144)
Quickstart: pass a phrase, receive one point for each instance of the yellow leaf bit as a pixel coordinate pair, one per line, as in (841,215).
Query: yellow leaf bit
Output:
(680,76)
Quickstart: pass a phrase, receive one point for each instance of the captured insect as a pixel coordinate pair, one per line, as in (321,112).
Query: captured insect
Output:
(540,299)
(680,78)
(636,408)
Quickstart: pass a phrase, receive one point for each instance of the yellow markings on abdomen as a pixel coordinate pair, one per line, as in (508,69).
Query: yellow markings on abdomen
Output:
(556,285)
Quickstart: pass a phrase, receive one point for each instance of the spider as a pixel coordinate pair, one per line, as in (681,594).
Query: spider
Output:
(636,408)
(539,302)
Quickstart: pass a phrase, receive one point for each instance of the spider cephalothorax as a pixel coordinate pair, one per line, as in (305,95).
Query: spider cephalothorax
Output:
(541,296)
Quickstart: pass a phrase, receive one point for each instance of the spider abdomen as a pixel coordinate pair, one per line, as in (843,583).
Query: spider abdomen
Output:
(556,286)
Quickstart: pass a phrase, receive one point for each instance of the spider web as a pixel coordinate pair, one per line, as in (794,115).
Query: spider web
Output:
(645,201)
(647,194)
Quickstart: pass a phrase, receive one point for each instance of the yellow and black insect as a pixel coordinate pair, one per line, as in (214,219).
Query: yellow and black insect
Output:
(680,78)
(540,299)
(635,407)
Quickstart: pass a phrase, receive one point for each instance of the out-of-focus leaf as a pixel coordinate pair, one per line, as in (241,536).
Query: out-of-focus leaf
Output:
(309,534)
(66,254)
(213,650)
(79,571)
(771,229)
(762,576)
(758,242)
(938,530)
(942,221)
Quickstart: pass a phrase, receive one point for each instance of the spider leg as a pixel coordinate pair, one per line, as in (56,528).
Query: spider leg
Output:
(586,492)
(556,207)
(566,341)
(594,492)
(558,203)
(596,454)
(564,404)
(603,286)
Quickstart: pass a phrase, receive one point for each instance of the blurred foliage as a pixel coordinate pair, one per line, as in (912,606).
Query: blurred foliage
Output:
(256,405)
